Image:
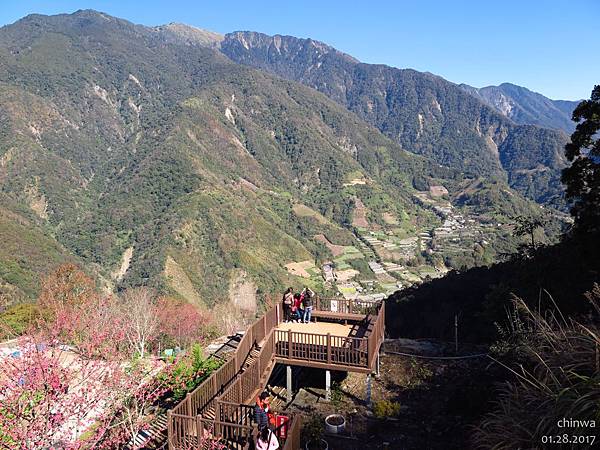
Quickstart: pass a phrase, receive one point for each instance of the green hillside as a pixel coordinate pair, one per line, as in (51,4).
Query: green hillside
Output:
(26,251)
(423,112)
(155,161)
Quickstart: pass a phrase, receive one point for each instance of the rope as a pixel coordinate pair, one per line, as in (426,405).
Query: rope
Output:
(478,355)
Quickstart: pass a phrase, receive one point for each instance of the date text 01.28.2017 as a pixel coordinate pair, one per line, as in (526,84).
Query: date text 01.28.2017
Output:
(566,438)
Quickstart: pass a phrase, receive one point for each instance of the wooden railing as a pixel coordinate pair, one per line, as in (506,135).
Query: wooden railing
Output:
(191,433)
(234,413)
(236,381)
(376,336)
(292,441)
(203,398)
(236,436)
(346,306)
(183,430)
(321,348)
(249,380)
(235,427)
(240,414)
(327,349)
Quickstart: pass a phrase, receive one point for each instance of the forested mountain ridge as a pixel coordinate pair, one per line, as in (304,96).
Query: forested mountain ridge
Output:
(150,158)
(137,154)
(426,114)
(526,107)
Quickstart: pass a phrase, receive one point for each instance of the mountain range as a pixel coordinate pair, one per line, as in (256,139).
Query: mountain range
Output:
(424,113)
(526,107)
(203,164)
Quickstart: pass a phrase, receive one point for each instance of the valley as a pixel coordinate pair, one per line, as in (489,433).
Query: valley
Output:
(142,176)
(391,252)
(172,198)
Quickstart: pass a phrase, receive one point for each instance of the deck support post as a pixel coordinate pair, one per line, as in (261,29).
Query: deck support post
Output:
(368,393)
(289,384)
(327,385)
(170,428)
(199,429)
(188,402)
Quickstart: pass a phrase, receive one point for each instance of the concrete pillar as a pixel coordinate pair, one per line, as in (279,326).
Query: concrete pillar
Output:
(368,393)
(289,384)
(327,385)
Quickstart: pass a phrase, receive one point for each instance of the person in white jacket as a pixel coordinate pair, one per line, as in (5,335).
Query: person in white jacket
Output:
(267,440)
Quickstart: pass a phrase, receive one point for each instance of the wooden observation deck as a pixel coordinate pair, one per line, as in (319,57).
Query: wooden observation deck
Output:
(346,336)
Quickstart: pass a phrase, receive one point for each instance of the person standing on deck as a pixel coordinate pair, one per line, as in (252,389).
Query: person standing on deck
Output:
(297,307)
(260,413)
(307,299)
(288,300)
(267,440)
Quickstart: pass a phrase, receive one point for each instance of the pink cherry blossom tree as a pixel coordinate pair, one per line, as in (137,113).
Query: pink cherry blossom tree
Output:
(181,323)
(82,377)
(53,395)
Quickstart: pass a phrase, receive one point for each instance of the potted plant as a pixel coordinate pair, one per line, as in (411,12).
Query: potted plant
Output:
(313,430)
(335,424)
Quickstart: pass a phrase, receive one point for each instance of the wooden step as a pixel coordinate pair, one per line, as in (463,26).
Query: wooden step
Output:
(209,413)
(156,432)
(278,396)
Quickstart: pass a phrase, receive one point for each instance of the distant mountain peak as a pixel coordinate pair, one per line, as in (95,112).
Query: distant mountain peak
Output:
(80,20)
(525,106)
(252,40)
(421,110)
(190,35)
(92,12)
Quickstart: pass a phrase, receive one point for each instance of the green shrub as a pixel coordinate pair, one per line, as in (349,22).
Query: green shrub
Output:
(336,393)
(386,408)
(189,372)
(313,428)
(16,319)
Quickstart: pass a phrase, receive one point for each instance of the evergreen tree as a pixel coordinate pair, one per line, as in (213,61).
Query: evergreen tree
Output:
(582,178)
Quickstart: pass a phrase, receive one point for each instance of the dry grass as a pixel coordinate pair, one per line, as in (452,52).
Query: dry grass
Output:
(359,215)
(300,268)
(336,250)
(556,376)
(179,281)
(304,211)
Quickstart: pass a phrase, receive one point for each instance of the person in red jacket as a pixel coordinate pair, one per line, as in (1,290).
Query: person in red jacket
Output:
(297,307)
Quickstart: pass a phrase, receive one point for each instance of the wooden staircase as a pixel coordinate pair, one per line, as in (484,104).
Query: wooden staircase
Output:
(153,437)
(221,407)
(156,435)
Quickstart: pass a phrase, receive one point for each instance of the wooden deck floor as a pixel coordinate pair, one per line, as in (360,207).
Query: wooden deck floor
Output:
(335,329)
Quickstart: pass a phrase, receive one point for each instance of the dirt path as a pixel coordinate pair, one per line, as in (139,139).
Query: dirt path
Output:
(359,215)
(299,268)
(336,250)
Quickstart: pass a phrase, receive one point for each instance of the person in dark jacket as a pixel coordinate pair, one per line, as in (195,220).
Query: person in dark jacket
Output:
(288,301)
(260,413)
(307,299)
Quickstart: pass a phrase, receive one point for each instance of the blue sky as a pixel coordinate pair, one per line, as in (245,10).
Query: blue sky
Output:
(552,47)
